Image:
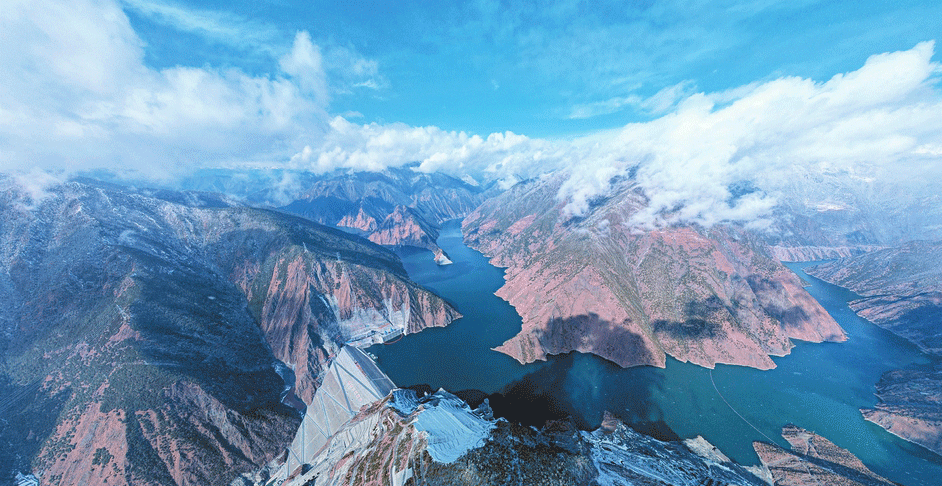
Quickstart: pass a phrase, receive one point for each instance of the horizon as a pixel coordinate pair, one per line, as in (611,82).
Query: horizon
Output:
(759,95)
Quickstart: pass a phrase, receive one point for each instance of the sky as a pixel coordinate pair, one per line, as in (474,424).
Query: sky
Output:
(759,91)
(542,69)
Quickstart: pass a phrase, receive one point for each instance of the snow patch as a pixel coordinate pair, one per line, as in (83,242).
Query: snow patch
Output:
(451,427)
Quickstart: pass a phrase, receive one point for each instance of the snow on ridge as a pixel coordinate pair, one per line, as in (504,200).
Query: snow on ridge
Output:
(452,428)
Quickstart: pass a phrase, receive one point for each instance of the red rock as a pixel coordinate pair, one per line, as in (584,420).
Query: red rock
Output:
(146,331)
(597,284)
(813,460)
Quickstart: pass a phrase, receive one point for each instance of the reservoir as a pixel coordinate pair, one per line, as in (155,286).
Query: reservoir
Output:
(819,387)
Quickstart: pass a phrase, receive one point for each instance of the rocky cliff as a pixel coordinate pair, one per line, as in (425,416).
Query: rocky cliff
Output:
(815,253)
(437,439)
(404,227)
(396,207)
(141,331)
(900,289)
(814,460)
(703,295)
(837,215)
(910,406)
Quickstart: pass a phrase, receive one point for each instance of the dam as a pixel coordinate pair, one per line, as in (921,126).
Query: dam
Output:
(352,381)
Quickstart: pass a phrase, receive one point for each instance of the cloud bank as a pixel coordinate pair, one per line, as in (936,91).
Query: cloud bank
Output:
(77,95)
(878,127)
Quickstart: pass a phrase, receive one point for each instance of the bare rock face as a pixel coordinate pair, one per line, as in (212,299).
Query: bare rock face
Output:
(910,406)
(438,440)
(814,460)
(404,227)
(814,253)
(595,284)
(827,216)
(140,333)
(396,207)
(900,289)
(441,258)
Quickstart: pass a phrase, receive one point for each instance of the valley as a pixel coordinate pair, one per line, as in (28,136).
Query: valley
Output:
(608,243)
(679,401)
(141,335)
(717,339)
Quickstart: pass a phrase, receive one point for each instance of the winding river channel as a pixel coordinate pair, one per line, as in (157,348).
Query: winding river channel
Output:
(819,387)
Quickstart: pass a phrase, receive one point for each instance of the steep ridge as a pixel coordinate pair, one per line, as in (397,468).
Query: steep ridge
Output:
(836,214)
(910,406)
(140,334)
(398,206)
(814,460)
(701,295)
(900,289)
(437,439)
(404,227)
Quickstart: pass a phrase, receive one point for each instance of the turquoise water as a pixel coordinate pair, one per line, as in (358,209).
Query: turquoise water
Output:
(819,387)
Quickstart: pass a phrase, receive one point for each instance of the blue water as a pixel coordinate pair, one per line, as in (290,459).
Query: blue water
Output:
(820,387)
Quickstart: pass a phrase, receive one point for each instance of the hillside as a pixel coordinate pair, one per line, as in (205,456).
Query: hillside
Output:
(143,338)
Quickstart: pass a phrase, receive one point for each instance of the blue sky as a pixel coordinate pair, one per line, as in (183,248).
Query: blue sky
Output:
(693,97)
(556,70)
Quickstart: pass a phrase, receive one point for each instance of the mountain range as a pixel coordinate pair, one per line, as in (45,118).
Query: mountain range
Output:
(398,206)
(900,289)
(153,337)
(634,296)
(165,336)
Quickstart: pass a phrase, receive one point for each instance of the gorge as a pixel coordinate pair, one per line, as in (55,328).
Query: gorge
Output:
(818,387)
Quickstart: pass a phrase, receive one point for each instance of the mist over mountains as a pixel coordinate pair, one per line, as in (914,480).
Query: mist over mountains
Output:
(202,204)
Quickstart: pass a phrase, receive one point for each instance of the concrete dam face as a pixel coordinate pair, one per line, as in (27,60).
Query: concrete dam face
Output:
(352,381)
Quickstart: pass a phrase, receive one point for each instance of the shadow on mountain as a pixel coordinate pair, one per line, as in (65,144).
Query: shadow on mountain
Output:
(195,324)
(768,292)
(27,417)
(922,323)
(616,343)
(701,321)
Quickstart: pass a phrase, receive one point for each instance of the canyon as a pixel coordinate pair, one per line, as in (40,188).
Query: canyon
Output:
(143,329)
(900,289)
(395,207)
(174,337)
(701,295)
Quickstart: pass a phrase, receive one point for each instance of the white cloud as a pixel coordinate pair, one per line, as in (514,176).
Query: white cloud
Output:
(220,27)
(305,64)
(76,95)
(375,147)
(29,188)
(658,104)
(785,136)
(605,107)
(350,70)
(347,69)
(667,98)
(877,126)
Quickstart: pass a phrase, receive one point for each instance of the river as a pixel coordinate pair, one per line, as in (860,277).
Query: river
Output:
(819,387)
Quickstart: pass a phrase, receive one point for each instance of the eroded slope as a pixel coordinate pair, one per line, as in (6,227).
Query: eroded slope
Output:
(141,334)
(598,284)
